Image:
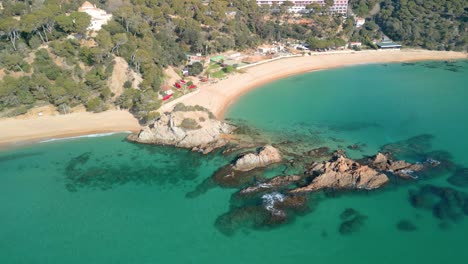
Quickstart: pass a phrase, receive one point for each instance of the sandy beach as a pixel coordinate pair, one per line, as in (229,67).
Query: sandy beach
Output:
(219,96)
(32,129)
(216,97)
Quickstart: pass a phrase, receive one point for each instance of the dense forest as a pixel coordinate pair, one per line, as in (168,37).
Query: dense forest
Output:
(45,60)
(430,24)
(48,57)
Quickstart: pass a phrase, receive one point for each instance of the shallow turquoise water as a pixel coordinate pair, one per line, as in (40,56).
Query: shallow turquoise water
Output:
(104,200)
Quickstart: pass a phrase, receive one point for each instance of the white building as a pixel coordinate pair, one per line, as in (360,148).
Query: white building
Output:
(359,22)
(270,49)
(355,44)
(339,6)
(98,16)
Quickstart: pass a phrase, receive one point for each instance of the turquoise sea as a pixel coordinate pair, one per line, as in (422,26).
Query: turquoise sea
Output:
(105,200)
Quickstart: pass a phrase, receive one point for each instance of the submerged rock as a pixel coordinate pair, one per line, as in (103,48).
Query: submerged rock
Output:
(195,129)
(352,221)
(266,211)
(406,225)
(341,172)
(414,147)
(444,202)
(317,153)
(348,213)
(459,178)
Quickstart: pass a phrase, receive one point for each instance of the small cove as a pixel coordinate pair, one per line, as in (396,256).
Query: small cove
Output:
(105,200)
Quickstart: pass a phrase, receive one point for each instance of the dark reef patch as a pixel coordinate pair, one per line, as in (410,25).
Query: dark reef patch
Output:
(459,177)
(172,168)
(414,148)
(352,221)
(261,212)
(6,158)
(348,213)
(444,202)
(348,127)
(406,226)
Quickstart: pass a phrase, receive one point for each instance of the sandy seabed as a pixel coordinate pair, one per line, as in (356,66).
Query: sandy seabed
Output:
(216,97)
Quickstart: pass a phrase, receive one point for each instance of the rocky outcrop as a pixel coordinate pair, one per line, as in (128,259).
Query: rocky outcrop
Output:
(246,167)
(401,168)
(342,173)
(197,130)
(272,184)
(264,157)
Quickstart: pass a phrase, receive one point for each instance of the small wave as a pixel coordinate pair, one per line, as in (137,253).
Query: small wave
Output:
(85,136)
(409,173)
(264,185)
(269,201)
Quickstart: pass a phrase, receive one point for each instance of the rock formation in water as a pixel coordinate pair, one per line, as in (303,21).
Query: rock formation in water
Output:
(246,166)
(264,157)
(196,129)
(401,168)
(341,172)
(273,184)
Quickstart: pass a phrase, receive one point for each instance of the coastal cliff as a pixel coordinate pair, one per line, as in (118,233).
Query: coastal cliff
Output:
(186,127)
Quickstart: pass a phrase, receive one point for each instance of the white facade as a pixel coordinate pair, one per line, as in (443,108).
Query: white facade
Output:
(339,6)
(98,16)
(359,22)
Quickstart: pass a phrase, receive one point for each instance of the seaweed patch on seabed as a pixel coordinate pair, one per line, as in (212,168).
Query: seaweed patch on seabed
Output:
(262,212)
(459,177)
(83,171)
(433,65)
(5,158)
(354,126)
(446,204)
(406,226)
(352,221)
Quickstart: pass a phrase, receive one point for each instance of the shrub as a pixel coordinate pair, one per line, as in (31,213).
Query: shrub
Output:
(196,68)
(127,84)
(190,123)
(150,117)
(95,105)
(180,107)
(229,69)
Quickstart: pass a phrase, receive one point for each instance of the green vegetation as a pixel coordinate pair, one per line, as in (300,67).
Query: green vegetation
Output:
(47,57)
(195,69)
(431,24)
(316,43)
(362,7)
(189,123)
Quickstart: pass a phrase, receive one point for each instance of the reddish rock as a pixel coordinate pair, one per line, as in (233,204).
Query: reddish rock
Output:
(343,173)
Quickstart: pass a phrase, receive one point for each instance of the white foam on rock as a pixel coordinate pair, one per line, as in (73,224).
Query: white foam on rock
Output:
(269,201)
